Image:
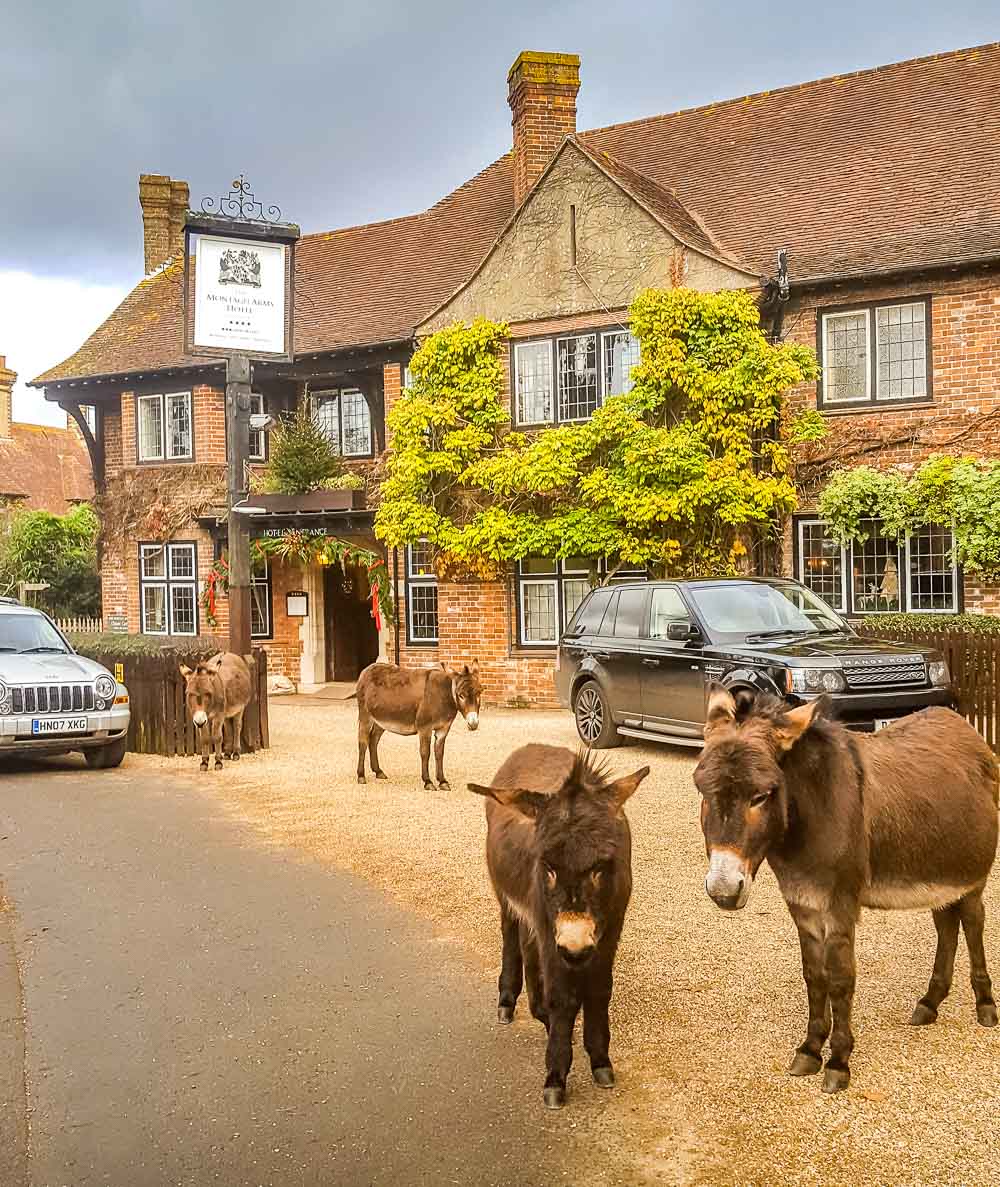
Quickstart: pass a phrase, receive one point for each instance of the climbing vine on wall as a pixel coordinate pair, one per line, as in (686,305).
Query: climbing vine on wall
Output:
(679,474)
(960,493)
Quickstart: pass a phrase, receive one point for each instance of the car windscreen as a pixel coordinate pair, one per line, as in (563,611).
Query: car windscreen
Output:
(758,608)
(29,632)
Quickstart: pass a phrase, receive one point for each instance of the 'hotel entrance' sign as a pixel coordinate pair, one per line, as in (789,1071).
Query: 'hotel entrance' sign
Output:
(239,289)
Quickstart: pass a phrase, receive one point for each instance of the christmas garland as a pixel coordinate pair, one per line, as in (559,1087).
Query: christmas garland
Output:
(306,549)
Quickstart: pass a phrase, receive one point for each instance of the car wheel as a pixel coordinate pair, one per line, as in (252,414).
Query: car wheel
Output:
(593,718)
(107,756)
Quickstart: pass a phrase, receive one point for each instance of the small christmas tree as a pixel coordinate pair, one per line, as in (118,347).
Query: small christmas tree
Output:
(302,456)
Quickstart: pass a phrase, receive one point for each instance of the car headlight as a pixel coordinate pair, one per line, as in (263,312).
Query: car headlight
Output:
(817,680)
(938,674)
(105,687)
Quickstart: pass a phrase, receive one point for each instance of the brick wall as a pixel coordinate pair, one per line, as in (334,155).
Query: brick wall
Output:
(962,415)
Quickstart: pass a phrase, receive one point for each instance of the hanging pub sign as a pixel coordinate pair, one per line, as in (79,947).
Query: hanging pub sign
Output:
(239,300)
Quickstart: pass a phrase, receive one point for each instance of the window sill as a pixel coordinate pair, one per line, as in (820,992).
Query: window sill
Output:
(873,406)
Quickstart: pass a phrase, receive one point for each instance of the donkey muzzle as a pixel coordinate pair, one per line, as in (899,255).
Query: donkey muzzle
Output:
(729,880)
(472,721)
(200,718)
(576,937)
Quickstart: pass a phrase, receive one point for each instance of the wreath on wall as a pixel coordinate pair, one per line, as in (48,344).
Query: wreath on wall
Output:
(306,549)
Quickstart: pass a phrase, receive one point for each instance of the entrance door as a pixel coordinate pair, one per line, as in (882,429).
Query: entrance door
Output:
(673,682)
(351,637)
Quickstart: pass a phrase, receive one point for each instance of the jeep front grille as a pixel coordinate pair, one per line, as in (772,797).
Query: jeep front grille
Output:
(907,669)
(52,698)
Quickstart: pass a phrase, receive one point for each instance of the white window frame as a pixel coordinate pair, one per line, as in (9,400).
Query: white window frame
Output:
(258,437)
(336,394)
(605,380)
(419,581)
(873,395)
(552,344)
(847,583)
(167,583)
(598,375)
(164,455)
(262,583)
(558,578)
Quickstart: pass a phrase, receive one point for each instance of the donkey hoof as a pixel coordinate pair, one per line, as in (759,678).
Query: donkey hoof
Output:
(923,1015)
(235,757)
(604,1077)
(987,1014)
(804,1064)
(218,764)
(836,1079)
(554,1098)
(362,780)
(381,775)
(428,785)
(505,1015)
(203,766)
(444,785)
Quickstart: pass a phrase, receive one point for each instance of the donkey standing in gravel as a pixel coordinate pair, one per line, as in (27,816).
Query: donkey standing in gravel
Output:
(559,854)
(904,818)
(422,701)
(217,692)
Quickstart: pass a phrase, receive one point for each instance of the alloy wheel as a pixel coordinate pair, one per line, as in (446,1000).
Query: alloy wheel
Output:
(589,715)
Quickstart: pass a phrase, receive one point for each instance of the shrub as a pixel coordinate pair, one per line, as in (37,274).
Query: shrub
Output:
(966,624)
(110,646)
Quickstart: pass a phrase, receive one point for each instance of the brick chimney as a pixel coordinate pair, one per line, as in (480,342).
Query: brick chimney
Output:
(7,381)
(163,203)
(541,91)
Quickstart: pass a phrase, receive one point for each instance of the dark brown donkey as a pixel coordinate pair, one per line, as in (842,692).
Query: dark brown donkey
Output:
(217,692)
(905,818)
(422,701)
(559,853)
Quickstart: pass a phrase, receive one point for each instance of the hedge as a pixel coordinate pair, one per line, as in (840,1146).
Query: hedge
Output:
(965,624)
(110,645)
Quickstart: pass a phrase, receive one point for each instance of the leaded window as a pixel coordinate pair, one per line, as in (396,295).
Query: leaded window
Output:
(258,438)
(421,593)
(878,353)
(880,575)
(550,591)
(345,417)
(168,589)
(163,427)
(567,378)
(260,596)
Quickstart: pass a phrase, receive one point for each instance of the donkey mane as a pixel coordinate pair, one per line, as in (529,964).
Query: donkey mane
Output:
(589,773)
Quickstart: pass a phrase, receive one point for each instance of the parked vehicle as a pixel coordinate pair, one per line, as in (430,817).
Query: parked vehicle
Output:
(637,659)
(53,701)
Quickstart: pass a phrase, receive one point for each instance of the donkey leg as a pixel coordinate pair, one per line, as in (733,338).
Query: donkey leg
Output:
(597,1028)
(563,1005)
(204,745)
(533,977)
(946,921)
(425,758)
(511,968)
(973,920)
(364,732)
(440,736)
(373,738)
(808,1058)
(236,722)
(217,744)
(841,975)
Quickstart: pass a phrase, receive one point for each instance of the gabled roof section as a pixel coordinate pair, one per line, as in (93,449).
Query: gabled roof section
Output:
(44,468)
(873,172)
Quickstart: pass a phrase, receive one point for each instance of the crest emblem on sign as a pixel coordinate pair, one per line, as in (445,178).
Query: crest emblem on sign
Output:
(240,267)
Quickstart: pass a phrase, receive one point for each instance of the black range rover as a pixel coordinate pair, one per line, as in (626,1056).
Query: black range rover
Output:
(637,659)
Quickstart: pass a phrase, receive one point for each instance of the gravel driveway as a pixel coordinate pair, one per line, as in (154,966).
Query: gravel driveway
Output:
(708,1007)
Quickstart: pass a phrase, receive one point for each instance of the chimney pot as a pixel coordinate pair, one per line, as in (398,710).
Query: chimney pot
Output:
(541,91)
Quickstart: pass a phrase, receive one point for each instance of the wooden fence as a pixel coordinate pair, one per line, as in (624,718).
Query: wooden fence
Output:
(160,723)
(974,663)
(80,625)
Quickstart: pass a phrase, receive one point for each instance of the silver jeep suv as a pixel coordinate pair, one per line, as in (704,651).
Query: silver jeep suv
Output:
(52,700)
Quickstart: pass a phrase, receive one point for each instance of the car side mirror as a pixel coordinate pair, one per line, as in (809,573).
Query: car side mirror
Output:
(681,632)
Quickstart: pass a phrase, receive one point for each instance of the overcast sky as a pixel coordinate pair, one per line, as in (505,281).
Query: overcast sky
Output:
(343,112)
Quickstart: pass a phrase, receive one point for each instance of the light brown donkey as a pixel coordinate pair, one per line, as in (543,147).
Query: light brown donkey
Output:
(905,818)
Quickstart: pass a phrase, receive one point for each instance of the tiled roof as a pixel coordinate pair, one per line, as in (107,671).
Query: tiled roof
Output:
(869,172)
(46,469)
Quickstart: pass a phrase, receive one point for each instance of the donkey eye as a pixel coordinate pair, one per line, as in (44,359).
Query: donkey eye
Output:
(760,799)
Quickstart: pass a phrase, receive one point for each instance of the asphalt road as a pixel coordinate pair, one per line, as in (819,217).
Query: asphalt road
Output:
(199,1008)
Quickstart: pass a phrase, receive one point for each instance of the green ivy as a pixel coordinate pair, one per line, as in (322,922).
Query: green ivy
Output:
(679,474)
(960,493)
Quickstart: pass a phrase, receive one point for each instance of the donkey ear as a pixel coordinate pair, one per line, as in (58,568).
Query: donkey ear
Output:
(721,708)
(475,667)
(796,722)
(528,803)
(186,671)
(621,789)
